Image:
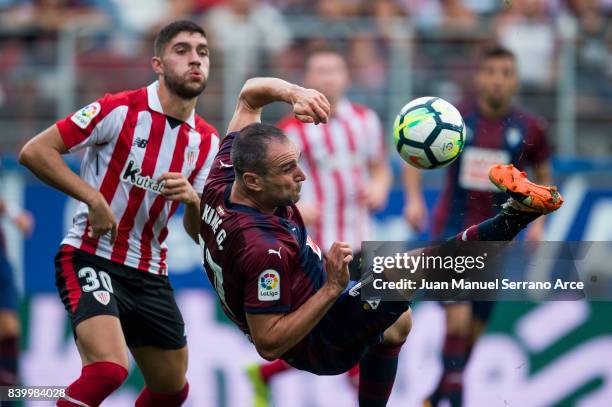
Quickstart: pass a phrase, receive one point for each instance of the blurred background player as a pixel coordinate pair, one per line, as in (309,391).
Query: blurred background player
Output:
(9,319)
(349,176)
(146,152)
(498,132)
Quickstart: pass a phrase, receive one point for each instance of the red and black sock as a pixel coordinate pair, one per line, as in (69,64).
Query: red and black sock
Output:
(273,368)
(9,356)
(98,380)
(504,226)
(454,359)
(148,398)
(377,371)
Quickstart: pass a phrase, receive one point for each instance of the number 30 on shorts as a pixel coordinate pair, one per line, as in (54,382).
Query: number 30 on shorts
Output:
(94,279)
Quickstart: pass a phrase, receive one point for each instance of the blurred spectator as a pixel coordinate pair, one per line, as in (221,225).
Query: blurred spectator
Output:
(593,56)
(527,29)
(337,9)
(54,15)
(388,16)
(245,29)
(148,16)
(451,15)
(448,33)
(368,71)
(484,7)
(293,7)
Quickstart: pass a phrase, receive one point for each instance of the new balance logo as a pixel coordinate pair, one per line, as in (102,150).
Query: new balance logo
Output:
(131,175)
(277,252)
(140,142)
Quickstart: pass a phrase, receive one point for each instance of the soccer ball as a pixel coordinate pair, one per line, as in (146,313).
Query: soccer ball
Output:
(429,133)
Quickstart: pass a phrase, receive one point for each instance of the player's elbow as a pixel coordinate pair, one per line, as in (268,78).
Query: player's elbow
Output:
(27,154)
(269,348)
(269,353)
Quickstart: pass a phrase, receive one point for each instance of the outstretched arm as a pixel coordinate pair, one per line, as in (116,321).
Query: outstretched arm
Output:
(309,105)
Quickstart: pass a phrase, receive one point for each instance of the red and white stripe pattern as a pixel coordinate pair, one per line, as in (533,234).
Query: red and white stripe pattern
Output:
(335,158)
(129,144)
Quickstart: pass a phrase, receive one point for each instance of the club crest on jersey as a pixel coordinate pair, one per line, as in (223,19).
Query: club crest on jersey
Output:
(311,243)
(131,175)
(269,285)
(191,157)
(514,136)
(83,117)
(102,296)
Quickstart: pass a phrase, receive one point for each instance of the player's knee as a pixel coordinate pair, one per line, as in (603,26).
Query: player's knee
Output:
(97,356)
(403,328)
(397,333)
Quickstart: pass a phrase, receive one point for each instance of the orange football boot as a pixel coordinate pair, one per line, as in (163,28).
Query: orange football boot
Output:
(539,198)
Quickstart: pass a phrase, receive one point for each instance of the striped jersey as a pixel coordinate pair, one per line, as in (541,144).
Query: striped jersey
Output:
(128,144)
(335,158)
(257,263)
(468,197)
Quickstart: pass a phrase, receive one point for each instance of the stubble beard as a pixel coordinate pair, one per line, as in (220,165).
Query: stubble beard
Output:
(179,86)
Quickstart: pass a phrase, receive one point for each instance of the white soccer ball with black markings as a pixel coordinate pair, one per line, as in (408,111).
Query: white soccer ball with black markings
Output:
(429,133)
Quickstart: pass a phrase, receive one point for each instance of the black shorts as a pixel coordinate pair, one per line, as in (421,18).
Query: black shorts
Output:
(144,303)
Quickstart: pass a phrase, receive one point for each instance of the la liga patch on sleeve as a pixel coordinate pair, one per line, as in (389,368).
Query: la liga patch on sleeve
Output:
(269,286)
(83,117)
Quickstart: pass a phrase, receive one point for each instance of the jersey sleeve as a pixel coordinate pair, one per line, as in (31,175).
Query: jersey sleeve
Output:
(204,171)
(87,127)
(267,267)
(222,170)
(537,148)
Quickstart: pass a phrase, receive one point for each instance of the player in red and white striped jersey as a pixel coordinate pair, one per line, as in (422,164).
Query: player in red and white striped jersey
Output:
(345,159)
(348,176)
(145,152)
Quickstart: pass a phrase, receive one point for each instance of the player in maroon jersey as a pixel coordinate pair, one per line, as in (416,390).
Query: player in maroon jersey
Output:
(146,151)
(270,276)
(346,162)
(498,132)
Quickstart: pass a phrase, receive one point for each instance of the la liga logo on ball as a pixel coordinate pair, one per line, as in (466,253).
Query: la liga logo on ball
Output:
(269,286)
(429,133)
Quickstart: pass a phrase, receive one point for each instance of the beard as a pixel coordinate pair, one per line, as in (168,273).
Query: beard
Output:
(288,201)
(496,103)
(181,87)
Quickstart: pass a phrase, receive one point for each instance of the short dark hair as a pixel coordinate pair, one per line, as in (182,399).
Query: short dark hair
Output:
(324,48)
(250,147)
(495,51)
(167,33)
